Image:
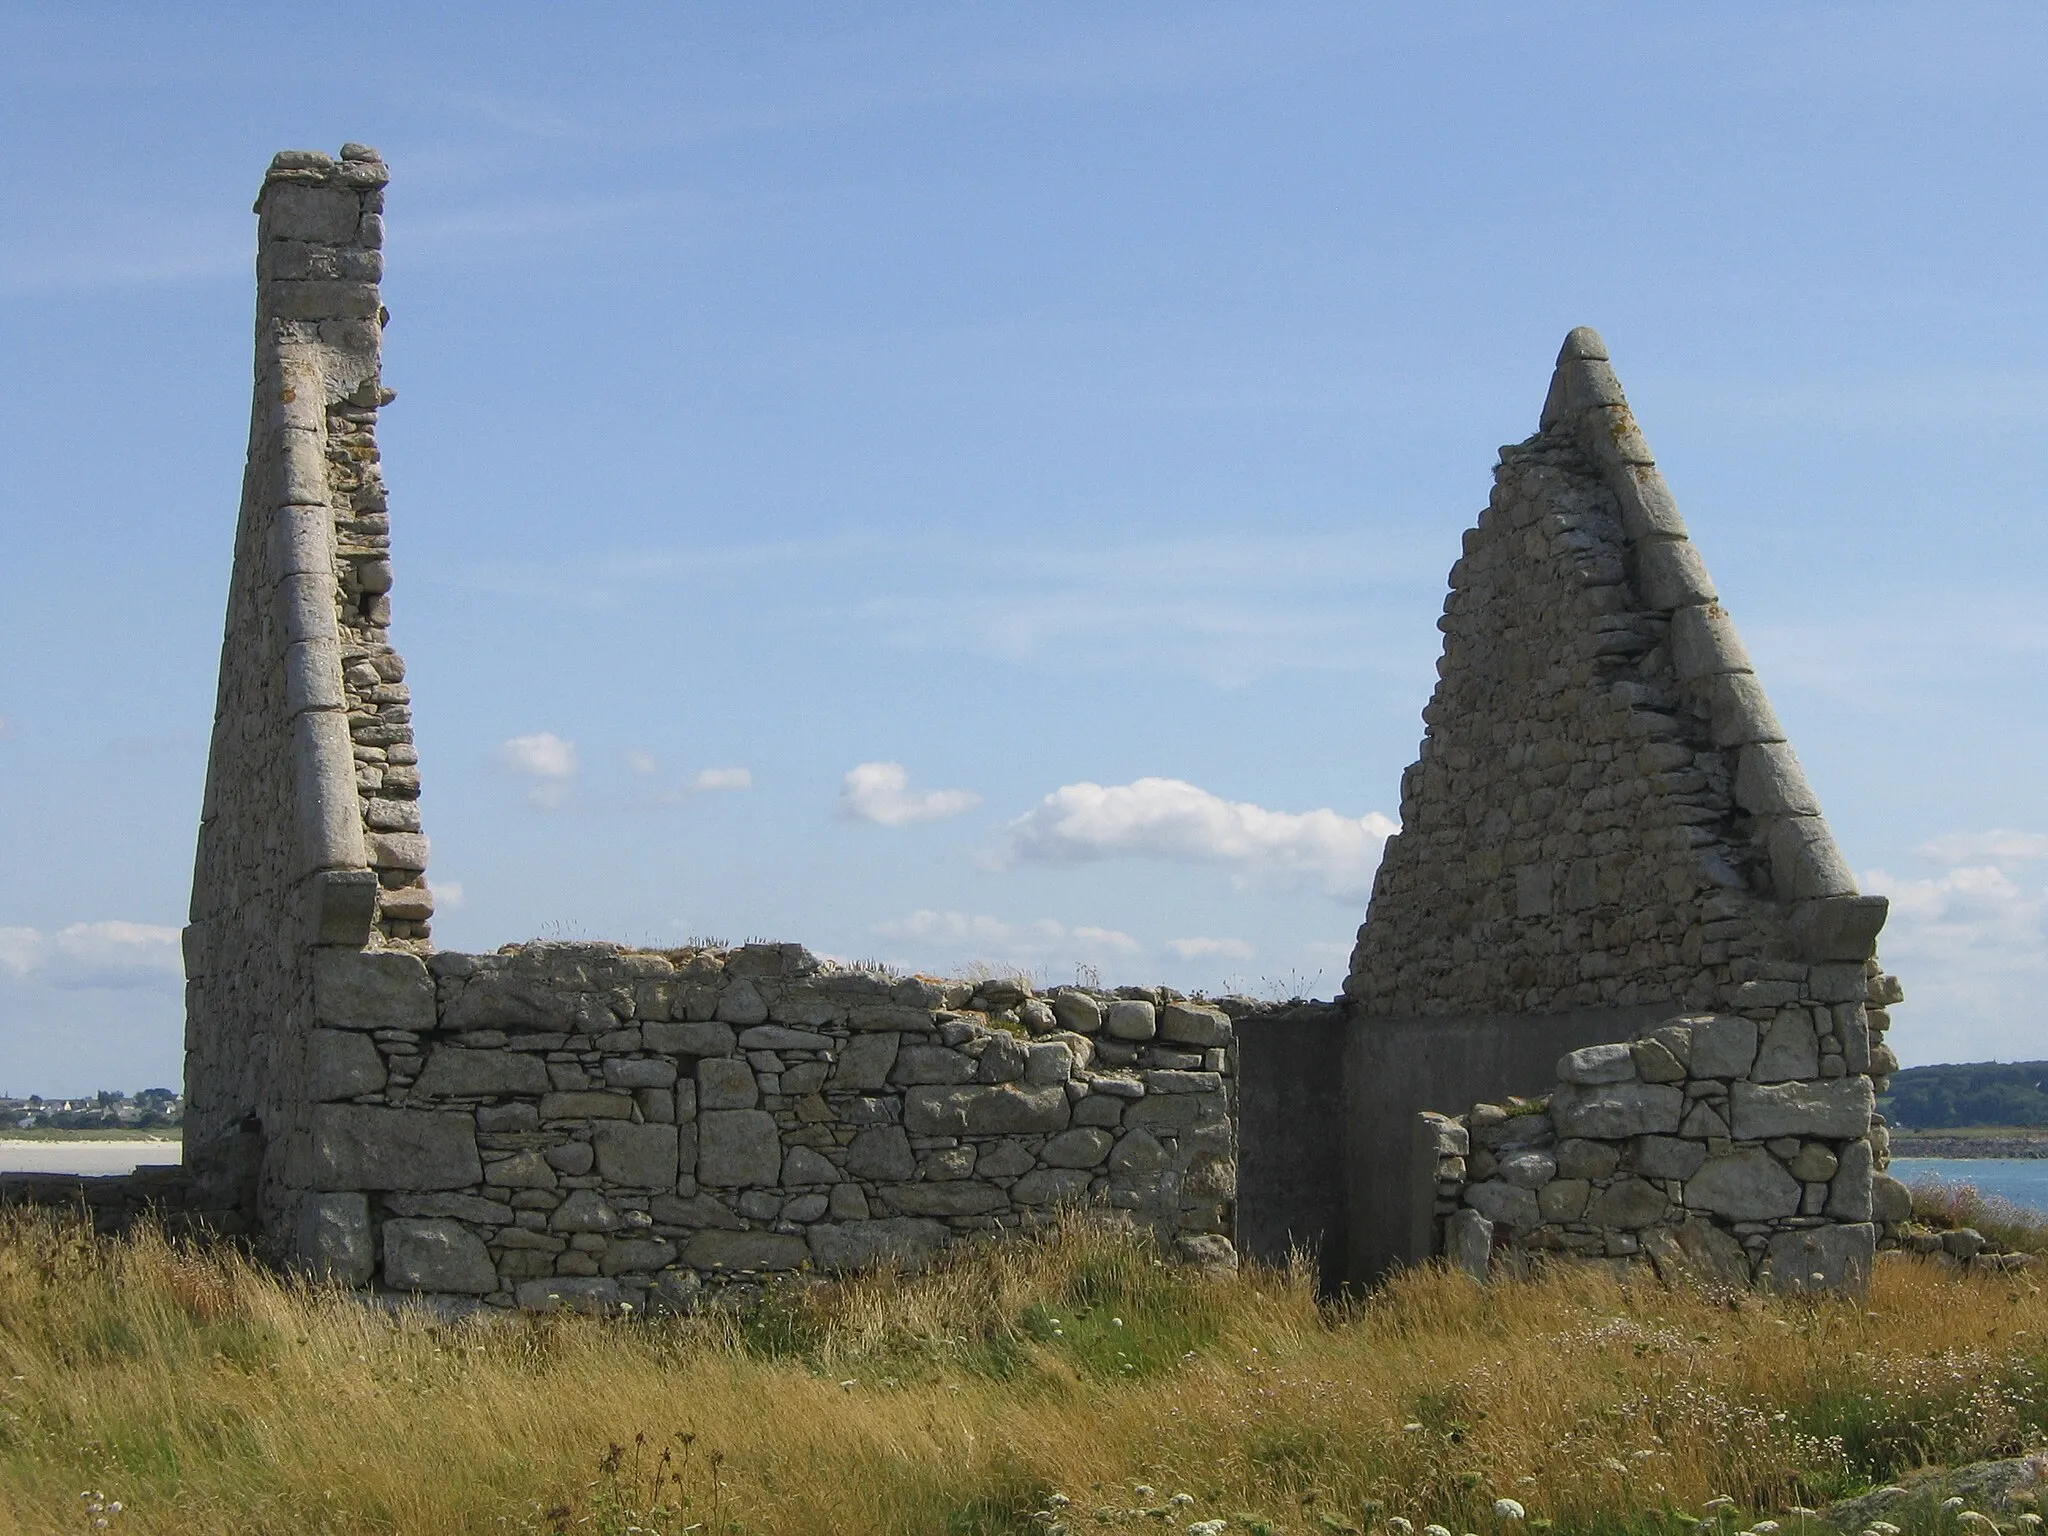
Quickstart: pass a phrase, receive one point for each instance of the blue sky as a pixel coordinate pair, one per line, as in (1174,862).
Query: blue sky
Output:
(929,410)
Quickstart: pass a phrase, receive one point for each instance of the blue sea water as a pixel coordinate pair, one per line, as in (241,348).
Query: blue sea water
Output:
(2022,1180)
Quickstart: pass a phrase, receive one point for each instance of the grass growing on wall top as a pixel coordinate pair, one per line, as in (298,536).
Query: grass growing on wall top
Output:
(1072,1383)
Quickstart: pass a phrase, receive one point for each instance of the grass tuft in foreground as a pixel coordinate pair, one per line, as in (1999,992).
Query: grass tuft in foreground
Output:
(1072,1384)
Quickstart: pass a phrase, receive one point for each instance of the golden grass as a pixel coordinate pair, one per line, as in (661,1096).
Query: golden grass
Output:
(206,1395)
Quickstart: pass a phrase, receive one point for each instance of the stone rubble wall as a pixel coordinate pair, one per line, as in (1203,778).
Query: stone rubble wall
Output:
(585,1125)
(1705,1142)
(1606,813)
(310,828)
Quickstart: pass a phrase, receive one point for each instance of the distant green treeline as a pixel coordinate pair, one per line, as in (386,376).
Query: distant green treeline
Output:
(1969,1093)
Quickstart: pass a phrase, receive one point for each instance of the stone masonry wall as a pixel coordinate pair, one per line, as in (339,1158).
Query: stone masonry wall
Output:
(309,830)
(586,1125)
(1606,813)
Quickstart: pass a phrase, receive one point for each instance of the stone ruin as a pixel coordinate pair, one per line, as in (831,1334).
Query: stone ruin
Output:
(1616,997)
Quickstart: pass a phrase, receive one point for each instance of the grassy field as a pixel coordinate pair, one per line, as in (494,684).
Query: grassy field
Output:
(1072,1384)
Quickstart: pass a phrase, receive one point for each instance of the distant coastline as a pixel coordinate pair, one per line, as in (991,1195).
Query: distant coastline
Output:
(1988,1141)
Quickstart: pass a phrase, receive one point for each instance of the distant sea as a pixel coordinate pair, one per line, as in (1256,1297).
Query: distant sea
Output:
(2022,1180)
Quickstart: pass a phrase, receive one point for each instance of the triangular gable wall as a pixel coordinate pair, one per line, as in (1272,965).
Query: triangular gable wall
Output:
(1605,811)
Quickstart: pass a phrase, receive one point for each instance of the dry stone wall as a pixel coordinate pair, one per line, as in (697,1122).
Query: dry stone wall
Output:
(1606,814)
(583,1125)
(309,833)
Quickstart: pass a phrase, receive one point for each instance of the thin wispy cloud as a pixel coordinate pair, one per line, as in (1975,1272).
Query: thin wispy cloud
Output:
(881,793)
(1174,820)
(1999,847)
(955,937)
(1211,949)
(110,954)
(712,780)
(547,763)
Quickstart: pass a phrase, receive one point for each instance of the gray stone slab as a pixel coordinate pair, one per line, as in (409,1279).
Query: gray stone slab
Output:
(371,989)
(635,1156)
(1840,1107)
(359,1146)
(737,1148)
(342,1064)
(978,1111)
(334,1240)
(903,1240)
(436,1253)
(452,1072)
(1613,1110)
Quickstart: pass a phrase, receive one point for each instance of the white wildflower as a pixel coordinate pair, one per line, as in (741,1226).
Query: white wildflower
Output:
(1717,1503)
(1145,1493)
(1950,1506)
(1399,1527)
(1765,1528)
(1411,1428)
(1435,1530)
(1208,1528)
(1181,1500)
(1508,1509)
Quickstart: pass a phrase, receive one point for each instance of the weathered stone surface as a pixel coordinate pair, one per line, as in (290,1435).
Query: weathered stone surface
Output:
(585,1211)
(359,1146)
(1077,1011)
(1617,1109)
(1578,1159)
(436,1254)
(1083,1147)
(639,1072)
(454,1073)
(726,1084)
(1130,1019)
(1051,1186)
(569,1293)
(1696,1250)
(1504,1204)
(1837,1108)
(465,1207)
(1194,1024)
(955,1197)
(1563,1199)
(881,1152)
(1750,1185)
(774,1037)
(1831,1258)
(334,1240)
(704,1038)
(802,1166)
(1890,1200)
(923,1064)
(1468,1242)
(1851,1193)
(522,1170)
(582,1105)
(381,989)
(1596,1064)
(1723,1046)
(741,1003)
(342,1064)
(1627,1204)
(745,1250)
(737,1147)
(637,1156)
(1788,1051)
(1003,1109)
(1530,1167)
(636,1255)
(903,1240)
(864,1063)
(1667,1157)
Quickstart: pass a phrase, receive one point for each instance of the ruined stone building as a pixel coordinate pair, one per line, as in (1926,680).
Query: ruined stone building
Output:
(1615,997)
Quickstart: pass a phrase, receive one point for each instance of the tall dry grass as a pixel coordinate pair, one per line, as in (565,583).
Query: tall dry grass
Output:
(1070,1383)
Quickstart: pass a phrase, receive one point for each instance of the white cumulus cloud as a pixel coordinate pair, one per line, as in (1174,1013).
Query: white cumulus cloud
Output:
(1173,819)
(448,894)
(1971,945)
(546,760)
(722,778)
(641,762)
(974,936)
(109,954)
(881,792)
(1204,949)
